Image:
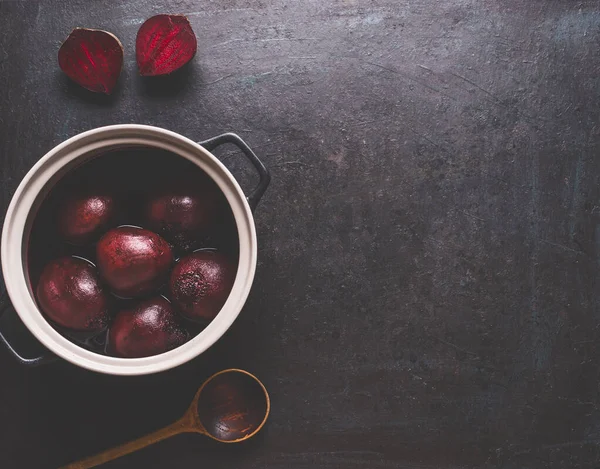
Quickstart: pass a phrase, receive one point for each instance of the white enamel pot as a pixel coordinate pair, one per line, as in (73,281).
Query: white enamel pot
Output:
(51,168)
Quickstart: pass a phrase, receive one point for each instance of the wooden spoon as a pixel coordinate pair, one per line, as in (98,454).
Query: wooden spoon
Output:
(231,406)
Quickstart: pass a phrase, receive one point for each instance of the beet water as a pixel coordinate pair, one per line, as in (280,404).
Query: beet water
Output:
(133,179)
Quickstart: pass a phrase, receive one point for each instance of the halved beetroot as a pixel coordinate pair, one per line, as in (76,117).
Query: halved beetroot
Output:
(164,44)
(92,58)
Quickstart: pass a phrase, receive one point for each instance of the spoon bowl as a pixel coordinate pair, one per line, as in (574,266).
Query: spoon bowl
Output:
(230,407)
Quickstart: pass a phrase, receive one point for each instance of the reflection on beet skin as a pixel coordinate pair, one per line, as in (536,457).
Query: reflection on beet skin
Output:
(133,261)
(200,284)
(149,328)
(70,294)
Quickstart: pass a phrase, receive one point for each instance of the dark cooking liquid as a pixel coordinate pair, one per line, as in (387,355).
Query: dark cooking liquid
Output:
(130,175)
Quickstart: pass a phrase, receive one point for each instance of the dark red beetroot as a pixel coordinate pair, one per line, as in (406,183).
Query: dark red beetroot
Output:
(149,328)
(70,294)
(92,59)
(83,217)
(200,284)
(164,44)
(184,214)
(133,261)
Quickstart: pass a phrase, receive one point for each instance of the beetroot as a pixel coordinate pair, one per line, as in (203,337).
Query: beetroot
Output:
(133,261)
(70,294)
(149,328)
(83,217)
(184,214)
(164,44)
(92,59)
(200,284)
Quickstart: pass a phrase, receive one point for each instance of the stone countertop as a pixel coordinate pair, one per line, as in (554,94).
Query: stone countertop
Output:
(428,287)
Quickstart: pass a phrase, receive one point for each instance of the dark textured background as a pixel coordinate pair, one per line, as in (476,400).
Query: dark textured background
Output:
(427,294)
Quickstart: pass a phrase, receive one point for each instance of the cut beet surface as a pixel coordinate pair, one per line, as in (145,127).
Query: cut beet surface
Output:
(92,59)
(164,43)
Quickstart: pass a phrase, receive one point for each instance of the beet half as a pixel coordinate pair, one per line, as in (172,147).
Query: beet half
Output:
(200,284)
(164,44)
(83,217)
(132,261)
(70,294)
(149,328)
(92,59)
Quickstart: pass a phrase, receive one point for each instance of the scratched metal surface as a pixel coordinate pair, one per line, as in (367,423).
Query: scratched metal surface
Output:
(427,293)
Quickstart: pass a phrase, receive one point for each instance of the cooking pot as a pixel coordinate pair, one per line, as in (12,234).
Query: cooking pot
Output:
(76,151)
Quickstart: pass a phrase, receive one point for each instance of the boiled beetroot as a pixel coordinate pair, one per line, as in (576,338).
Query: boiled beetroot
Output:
(149,328)
(70,294)
(200,284)
(185,214)
(92,59)
(84,216)
(164,44)
(133,261)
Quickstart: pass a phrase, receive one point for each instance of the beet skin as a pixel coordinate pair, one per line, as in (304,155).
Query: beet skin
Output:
(185,214)
(83,217)
(132,261)
(70,294)
(200,284)
(149,328)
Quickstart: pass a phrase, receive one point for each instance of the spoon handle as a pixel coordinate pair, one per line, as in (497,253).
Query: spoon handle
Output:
(181,426)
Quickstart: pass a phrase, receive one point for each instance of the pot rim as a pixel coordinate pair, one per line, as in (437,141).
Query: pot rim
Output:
(39,179)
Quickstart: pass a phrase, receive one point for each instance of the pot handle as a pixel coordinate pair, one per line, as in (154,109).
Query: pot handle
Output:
(15,336)
(263,172)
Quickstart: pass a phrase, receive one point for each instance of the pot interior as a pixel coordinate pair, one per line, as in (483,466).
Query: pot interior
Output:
(131,175)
